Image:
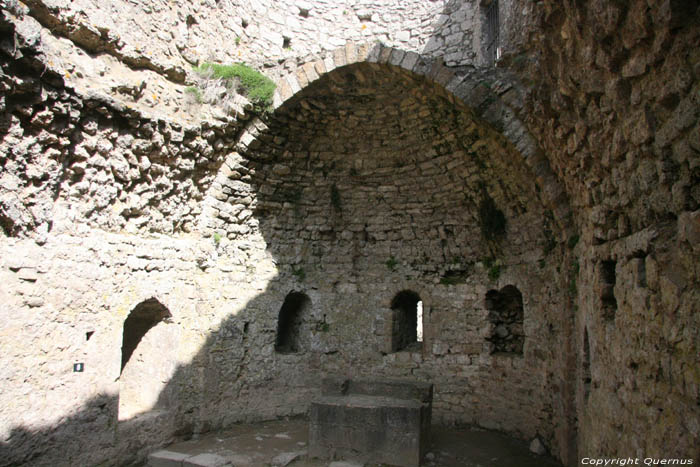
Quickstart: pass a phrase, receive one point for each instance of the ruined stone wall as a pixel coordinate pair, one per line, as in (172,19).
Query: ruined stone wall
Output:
(83,288)
(74,157)
(137,61)
(371,182)
(169,38)
(142,56)
(367,180)
(616,108)
(223,296)
(105,165)
(71,161)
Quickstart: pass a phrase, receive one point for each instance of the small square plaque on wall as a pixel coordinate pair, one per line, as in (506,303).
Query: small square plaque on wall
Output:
(78,367)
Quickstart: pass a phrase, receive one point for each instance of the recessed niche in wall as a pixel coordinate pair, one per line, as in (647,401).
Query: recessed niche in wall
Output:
(290,323)
(607,289)
(141,319)
(505,308)
(640,268)
(146,365)
(407,321)
(586,367)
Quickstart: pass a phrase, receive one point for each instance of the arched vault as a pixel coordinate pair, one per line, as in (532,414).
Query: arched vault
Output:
(489,96)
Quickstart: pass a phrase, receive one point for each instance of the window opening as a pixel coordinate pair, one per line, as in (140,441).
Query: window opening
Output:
(407,325)
(419,324)
(607,293)
(492,32)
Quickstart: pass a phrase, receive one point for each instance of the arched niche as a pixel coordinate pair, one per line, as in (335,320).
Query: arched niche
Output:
(290,333)
(146,365)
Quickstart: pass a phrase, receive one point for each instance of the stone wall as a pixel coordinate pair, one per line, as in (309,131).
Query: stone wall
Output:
(623,137)
(83,288)
(142,56)
(73,159)
(411,166)
(291,214)
(369,183)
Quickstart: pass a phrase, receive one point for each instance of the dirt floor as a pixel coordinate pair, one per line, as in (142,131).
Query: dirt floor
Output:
(284,442)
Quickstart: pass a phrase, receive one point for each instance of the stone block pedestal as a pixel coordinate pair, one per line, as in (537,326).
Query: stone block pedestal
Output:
(372,421)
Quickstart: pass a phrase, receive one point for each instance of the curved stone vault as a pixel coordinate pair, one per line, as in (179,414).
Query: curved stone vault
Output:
(373,178)
(521,230)
(486,95)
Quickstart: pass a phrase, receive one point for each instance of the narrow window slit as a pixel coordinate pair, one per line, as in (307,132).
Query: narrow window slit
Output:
(492,32)
(586,367)
(407,322)
(607,289)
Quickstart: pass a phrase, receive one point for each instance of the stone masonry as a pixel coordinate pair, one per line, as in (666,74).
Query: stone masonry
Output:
(543,209)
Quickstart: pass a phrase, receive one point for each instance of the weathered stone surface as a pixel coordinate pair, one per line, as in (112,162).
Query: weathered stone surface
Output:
(205,460)
(287,458)
(376,421)
(116,188)
(536,447)
(166,458)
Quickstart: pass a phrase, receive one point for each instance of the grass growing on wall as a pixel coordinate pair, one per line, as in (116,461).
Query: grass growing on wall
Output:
(257,87)
(195,92)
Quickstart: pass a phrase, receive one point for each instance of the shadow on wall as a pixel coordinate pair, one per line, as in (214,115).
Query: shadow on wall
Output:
(312,198)
(149,412)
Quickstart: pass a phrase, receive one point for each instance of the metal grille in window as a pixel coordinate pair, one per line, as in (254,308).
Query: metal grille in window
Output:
(492,31)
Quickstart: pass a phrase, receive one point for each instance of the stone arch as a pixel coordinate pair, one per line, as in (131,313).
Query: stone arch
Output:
(407,321)
(146,366)
(290,323)
(490,94)
(370,179)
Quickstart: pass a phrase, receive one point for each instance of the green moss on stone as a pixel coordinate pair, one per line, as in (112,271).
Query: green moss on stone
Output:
(258,88)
